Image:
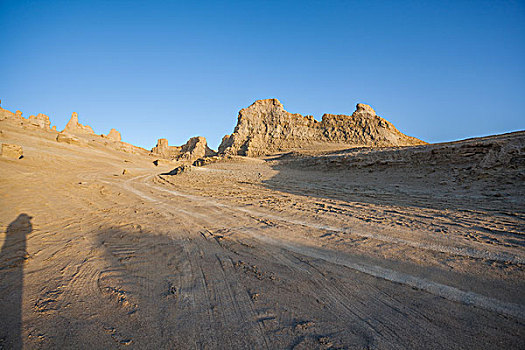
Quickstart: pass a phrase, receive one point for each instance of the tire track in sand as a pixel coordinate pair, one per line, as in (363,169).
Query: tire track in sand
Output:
(444,291)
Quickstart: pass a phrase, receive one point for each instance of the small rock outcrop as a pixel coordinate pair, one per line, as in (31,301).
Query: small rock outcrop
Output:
(5,114)
(67,138)
(114,135)
(129,148)
(179,170)
(163,150)
(162,162)
(195,148)
(266,128)
(41,120)
(74,127)
(12,151)
(10,116)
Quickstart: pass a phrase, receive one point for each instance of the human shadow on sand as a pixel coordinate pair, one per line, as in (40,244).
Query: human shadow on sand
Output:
(12,257)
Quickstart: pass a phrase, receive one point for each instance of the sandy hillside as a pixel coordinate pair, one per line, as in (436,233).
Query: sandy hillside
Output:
(390,248)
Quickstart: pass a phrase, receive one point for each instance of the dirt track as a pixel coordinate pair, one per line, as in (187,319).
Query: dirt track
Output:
(247,254)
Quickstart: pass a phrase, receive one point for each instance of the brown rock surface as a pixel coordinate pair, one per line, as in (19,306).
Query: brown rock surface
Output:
(266,128)
(74,127)
(12,151)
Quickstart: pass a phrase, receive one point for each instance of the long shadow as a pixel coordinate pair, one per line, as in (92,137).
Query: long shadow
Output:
(161,291)
(12,257)
(170,293)
(433,176)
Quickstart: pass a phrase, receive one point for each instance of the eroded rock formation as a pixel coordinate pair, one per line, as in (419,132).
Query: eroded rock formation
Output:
(163,150)
(8,115)
(195,148)
(266,128)
(74,133)
(11,151)
(114,135)
(41,120)
(262,128)
(74,127)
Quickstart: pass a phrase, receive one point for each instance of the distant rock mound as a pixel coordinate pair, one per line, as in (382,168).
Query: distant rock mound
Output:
(163,150)
(266,128)
(114,135)
(195,148)
(74,127)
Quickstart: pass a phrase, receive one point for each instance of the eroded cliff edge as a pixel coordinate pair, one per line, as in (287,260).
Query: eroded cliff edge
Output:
(266,127)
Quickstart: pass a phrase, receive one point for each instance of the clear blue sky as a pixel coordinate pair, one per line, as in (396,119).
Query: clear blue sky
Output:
(439,70)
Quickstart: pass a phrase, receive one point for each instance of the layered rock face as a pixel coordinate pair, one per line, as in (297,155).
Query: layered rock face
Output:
(195,148)
(266,128)
(74,127)
(40,120)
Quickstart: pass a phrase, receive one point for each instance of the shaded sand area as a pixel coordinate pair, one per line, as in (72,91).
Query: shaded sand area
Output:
(397,248)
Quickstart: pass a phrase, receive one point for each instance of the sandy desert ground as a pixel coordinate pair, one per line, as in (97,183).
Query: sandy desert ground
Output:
(398,248)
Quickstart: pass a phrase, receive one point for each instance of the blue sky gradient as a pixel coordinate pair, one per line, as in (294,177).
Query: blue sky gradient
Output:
(438,70)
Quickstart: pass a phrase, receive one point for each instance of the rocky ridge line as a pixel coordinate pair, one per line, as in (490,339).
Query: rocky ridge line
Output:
(40,120)
(263,128)
(266,127)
